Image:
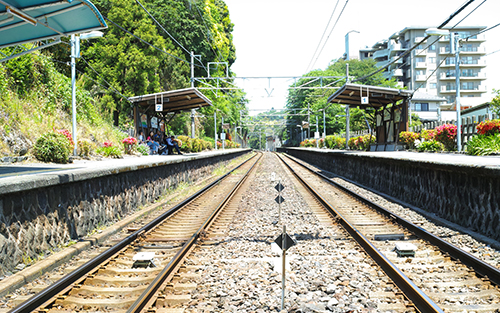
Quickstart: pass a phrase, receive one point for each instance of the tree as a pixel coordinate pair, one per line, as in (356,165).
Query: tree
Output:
(495,102)
(310,102)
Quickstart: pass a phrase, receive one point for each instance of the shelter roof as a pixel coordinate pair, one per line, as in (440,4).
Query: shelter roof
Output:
(23,21)
(173,101)
(351,94)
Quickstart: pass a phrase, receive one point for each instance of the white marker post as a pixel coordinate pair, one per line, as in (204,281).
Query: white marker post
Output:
(283,267)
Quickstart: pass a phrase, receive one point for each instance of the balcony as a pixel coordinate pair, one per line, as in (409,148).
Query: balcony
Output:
(395,47)
(421,65)
(418,39)
(381,54)
(477,63)
(474,76)
(420,78)
(397,72)
(475,89)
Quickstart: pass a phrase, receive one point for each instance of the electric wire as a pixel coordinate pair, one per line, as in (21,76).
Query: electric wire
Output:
(416,45)
(326,40)
(162,28)
(322,36)
(207,34)
(128,32)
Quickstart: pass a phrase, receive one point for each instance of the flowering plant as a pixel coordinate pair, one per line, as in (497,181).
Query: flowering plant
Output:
(322,142)
(107,144)
(409,138)
(129,140)
(67,134)
(446,134)
(488,127)
(428,134)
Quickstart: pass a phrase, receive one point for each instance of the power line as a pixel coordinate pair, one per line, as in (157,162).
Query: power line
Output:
(322,36)
(326,40)
(171,37)
(415,46)
(207,34)
(123,29)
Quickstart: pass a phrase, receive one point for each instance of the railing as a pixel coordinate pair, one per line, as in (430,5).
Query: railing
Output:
(468,125)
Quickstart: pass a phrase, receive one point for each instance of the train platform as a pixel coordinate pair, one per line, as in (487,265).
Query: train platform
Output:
(19,176)
(445,158)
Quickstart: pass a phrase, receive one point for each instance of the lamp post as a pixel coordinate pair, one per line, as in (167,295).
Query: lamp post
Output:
(454,48)
(75,53)
(347,43)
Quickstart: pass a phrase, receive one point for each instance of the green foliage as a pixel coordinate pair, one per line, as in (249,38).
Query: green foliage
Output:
(415,120)
(361,142)
(143,149)
(495,102)
(85,147)
(52,147)
(335,142)
(193,145)
(484,145)
(315,99)
(109,152)
(428,134)
(430,146)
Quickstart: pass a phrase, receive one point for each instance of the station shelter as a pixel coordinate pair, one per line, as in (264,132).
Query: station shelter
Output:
(391,111)
(154,112)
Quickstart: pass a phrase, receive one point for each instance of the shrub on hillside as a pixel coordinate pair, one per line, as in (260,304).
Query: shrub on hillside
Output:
(361,142)
(52,147)
(109,150)
(85,147)
(335,142)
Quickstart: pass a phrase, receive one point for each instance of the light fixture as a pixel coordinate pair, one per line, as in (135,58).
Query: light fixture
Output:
(437,32)
(20,14)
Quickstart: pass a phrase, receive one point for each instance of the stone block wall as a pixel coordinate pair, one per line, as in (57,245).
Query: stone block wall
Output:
(466,195)
(34,220)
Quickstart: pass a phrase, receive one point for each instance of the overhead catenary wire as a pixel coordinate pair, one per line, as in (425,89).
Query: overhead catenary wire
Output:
(207,34)
(416,45)
(162,28)
(144,41)
(326,40)
(322,36)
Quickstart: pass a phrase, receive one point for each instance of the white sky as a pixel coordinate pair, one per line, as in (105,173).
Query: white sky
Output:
(279,37)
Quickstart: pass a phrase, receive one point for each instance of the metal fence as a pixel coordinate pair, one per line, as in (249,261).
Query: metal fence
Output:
(468,125)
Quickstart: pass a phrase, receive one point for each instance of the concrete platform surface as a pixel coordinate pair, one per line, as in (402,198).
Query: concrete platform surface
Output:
(15,177)
(449,158)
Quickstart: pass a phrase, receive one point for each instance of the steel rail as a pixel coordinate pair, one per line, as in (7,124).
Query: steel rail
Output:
(152,288)
(480,267)
(48,293)
(420,300)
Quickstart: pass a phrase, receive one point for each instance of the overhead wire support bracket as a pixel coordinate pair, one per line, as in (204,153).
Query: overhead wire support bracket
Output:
(20,50)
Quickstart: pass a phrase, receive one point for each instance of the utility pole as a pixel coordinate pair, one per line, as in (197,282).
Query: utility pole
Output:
(193,112)
(347,111)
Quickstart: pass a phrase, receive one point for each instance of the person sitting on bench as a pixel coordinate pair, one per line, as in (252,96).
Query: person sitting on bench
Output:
(171,144)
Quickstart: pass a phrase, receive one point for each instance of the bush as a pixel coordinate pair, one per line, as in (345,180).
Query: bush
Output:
(129,144)
(430,146)
(446,134)
(109,150)
(427,134)
(409,138)
(85,147)
(488,127)
(361,142)
(335,142)
(52,147)
(321,143)
(484,144)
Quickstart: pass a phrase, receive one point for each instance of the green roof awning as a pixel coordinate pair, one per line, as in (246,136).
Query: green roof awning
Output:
(23,21)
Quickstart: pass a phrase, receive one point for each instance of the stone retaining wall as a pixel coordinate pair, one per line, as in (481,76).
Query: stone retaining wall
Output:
(43,214)
(464,194)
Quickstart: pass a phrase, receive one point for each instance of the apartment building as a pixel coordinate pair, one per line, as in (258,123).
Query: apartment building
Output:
(430,68)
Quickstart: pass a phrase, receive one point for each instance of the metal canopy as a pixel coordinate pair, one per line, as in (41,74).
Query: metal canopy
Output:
(23,21)
(172,101)
(351,94)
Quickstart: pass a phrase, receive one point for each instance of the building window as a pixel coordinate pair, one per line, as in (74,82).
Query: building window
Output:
(432,48)
(432,60)
(468,86)
(433,86)
(420,59)
(420,72)
(421,106)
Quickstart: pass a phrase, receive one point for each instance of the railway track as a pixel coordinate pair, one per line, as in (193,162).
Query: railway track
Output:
(132,274)
(435,275)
